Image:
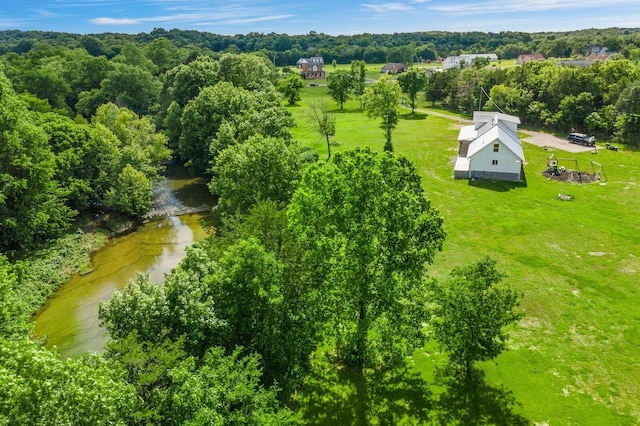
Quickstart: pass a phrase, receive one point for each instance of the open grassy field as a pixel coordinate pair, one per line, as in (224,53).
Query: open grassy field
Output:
(575,356)
(373,70)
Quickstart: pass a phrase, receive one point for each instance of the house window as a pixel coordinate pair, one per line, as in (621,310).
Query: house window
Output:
(494,162)
(496,147)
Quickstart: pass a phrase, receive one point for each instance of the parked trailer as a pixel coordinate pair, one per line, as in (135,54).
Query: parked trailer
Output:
(582,139)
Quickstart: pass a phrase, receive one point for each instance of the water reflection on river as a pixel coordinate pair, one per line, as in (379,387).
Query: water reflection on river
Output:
(69,320)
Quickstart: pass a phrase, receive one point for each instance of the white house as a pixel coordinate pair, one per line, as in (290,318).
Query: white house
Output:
(490,148)
(455,61)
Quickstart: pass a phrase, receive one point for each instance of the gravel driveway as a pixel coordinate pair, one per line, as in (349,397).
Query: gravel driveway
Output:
(545,139)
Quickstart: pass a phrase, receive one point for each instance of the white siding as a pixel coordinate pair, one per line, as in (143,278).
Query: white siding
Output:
(508,162)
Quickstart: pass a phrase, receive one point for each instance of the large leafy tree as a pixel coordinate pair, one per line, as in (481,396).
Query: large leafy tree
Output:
(246,298)
(573,111)
(224,389)
(512,100)
(163,53)
(340,85)
(131,194)
(381,100)
(224,114)
(202,118)
(174,388)
(32,204)
(412,83)
(290,87)
(358,73)
(132,54)
(140,145)
(369,232)
(131,86)
(439,86)
(262,311)
(471,314)
(249,71)
(69,142)
(38,388)
(628,109)
(184,82)
(257,170)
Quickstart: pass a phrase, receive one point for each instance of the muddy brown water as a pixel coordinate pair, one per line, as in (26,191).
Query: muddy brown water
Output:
(69,320)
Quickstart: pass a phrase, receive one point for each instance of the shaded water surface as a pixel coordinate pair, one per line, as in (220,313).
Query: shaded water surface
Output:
(69,320)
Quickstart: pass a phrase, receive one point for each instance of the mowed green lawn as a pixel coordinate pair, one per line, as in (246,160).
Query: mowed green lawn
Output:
(575,356)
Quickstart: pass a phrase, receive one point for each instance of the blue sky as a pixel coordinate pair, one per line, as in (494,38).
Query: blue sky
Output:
(332,17)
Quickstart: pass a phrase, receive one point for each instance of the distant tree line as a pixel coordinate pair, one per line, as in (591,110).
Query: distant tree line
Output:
(284,49)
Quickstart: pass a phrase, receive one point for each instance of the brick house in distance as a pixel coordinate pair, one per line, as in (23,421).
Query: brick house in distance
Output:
(311,67)
(601,55)
(393,68)
(529,58)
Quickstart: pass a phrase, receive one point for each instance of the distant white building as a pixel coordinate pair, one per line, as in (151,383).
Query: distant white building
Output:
(490,148)
(456,61)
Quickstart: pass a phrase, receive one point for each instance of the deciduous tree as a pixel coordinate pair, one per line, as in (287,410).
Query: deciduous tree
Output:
(340,84)
(263,312)
(381,100)
(290,87)
(259,169)
(324,122)
(369,233)
(38,388)
(472,312)
(32,204)
(358,73)
(131,194)
(412,83)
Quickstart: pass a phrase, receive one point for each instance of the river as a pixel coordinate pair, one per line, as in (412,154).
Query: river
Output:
(69,319)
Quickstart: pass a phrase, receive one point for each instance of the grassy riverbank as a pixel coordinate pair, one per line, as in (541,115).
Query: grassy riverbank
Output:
(45,270)
(574,358)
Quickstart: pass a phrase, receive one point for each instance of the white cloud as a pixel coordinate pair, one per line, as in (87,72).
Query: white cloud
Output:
(12,23)
(229,16)
(115,21)
(257,19)
(387,7)
(496,6)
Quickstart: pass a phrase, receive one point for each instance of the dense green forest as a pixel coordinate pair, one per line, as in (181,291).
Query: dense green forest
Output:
(86,123)
(286,49)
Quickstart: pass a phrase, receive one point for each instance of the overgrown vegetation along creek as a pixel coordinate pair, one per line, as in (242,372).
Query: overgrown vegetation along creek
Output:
(69,319)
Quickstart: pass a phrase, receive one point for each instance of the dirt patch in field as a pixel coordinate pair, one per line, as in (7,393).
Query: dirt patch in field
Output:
(572,176)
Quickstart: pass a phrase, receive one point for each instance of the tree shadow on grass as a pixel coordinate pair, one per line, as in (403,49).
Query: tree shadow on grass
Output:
(333,395)
(497,185)
(474,402)
(414,116)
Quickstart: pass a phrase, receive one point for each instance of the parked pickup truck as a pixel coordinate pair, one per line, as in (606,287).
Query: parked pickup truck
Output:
(582,139)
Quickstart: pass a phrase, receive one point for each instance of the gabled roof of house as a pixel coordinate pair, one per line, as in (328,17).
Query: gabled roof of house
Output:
(491,116)
(500,132)
(531,57)
(393,65)
(484,121)
(467,133)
